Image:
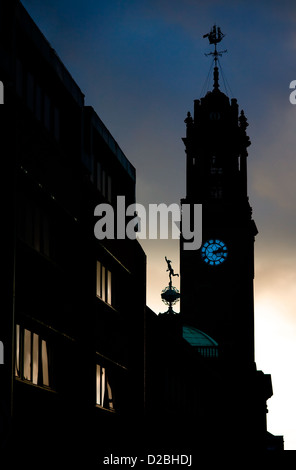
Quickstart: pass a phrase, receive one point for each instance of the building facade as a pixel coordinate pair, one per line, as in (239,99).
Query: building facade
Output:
(72,330)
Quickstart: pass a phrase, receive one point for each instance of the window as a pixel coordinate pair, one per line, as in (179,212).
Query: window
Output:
(99,176)
(31,357)
(30,91)
(104,283)
(109,190)
(35,227)
(104,396)
(104,182)
(38,103)
(56,123)
(19,77)
(47,112)
(215,169)
(216,193)
(92,168)
(109,287)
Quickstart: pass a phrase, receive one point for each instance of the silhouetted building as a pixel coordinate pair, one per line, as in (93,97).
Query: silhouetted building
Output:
(84,359)
(204,366)
(72,327)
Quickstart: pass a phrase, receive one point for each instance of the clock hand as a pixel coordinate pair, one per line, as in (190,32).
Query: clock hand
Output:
(218,251)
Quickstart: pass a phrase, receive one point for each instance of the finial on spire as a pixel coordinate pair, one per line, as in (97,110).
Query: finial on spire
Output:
(215,36)
(170,295)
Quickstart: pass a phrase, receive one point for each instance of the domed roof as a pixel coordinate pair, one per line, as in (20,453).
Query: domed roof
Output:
(197,337)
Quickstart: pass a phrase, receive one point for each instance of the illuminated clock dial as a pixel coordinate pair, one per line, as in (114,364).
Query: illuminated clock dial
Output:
(214,252)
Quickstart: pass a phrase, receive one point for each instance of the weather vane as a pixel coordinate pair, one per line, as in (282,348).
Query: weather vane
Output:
(215,36)
(170,295)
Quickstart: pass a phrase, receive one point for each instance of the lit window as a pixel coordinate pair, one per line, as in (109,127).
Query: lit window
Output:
(104,283)
(17,351)
(31,357)
(99,291)
(27,355)
(104,396)
(109,287)
(103,279)
(44,358)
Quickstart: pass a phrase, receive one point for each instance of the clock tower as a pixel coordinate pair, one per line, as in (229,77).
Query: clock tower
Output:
(217,278)
(206,381)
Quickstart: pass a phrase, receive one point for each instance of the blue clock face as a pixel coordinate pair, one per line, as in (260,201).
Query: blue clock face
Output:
(214,252)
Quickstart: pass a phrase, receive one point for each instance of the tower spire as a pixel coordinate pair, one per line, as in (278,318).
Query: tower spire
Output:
(215,36)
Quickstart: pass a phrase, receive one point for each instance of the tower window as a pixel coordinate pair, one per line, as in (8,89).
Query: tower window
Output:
(215,169)
(216,192)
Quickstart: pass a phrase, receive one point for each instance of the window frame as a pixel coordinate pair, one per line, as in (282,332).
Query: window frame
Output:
(103,283)
(104,391)
(32,363)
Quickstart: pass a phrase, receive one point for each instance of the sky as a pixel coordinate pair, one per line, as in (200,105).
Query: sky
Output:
(140,64)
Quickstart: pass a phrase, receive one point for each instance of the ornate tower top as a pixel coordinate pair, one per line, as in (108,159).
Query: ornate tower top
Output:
(215,36)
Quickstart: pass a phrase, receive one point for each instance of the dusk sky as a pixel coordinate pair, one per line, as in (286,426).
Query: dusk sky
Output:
(140,64)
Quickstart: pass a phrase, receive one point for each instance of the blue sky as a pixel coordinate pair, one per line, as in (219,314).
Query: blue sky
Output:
(140,64)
